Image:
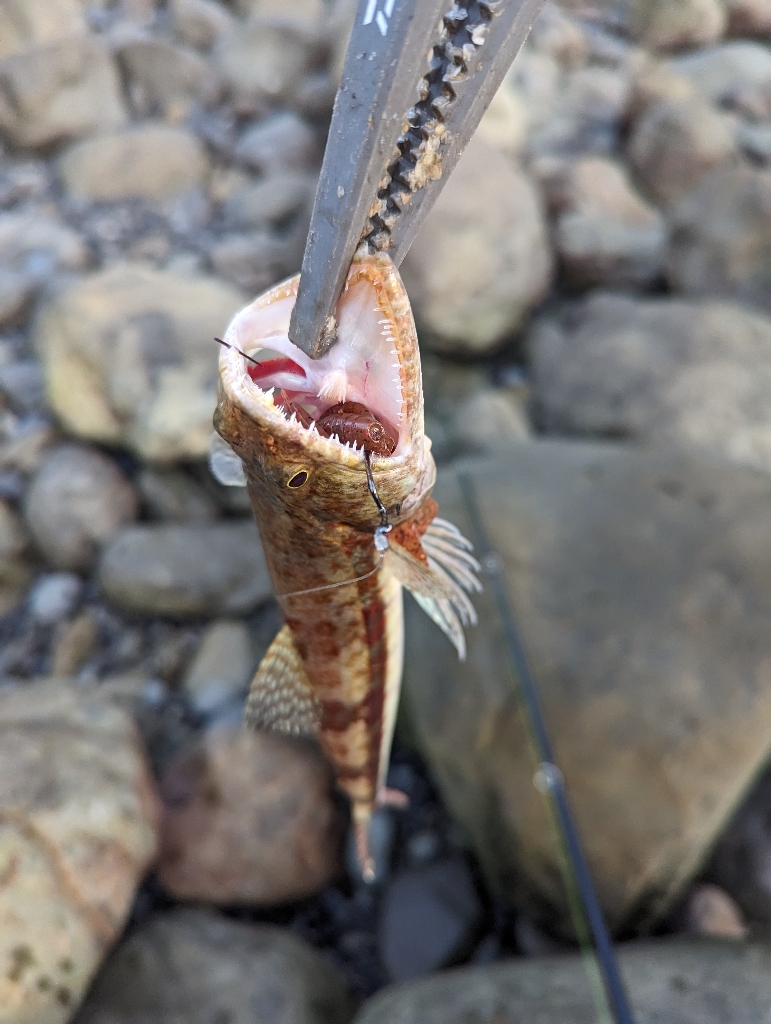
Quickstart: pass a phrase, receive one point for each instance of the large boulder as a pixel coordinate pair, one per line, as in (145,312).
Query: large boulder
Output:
(641,582)
(78,815)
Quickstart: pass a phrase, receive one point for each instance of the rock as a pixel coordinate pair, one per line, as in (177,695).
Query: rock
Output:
(277,144)
(481,260)
(248,819)
(721,72)
(661,25)
(74,643)
(199,22)
(711,912)
(430,918)
(262,64)
(146,161)
(659,370)
(729,252)
(271,201)
(62,91)
(755,141)
(186,570)
(174,496)
(641,581)
(130,358)
(749,17)
(555,32)
(256,260)
(76,501)
(655,81)
(222,669)
(16,291)
(674,980)
(14,569)
(22,384)
(25,25)
(491,419)
(741,861)
(674,144)
(79,816)
(196,966)
(504,123)
(22,180)
(606,234)
(165,79)
(38,246)
(54,596)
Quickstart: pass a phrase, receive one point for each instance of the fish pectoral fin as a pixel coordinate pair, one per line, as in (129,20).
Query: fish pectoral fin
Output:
(280,697)
(440,579)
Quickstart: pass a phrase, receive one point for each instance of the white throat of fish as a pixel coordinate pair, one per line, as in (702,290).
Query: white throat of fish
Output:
(290,388)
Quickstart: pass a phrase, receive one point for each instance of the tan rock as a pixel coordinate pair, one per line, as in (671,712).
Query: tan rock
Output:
(146,161)
(720,72)
(166,79)
(25,24)
(504,123)
(481,260)
(130,358)
(15,571)
(491,419)
(78,811)
(662,25)
(31,238)
(222,667)
(674,144)
(199,22)
(248,818)
(74,643)
(62,91)
(262,63)
(711,912)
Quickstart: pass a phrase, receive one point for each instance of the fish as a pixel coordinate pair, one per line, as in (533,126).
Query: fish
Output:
(345,523)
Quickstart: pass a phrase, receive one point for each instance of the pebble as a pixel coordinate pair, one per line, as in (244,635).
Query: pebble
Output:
(276,144)
(199,22)
(256,260)
(721,72)
(669,979)
(145,161)
(271,201)
(24,25)
(14,567)
(430,918)
(79,816)
(130,358)
(674,144)
(727,253)
(22,383)
(165,79)
(23,180)
(178,570)
(658,370)
(54,596)
(248,819)
(222,668)
(61,91)
(76,501)
(662,25)
(202,968)
(174,496)
(481,261)
(74,644)
(709,911)
(262,64)
(641,582)
(749,17)
(605,233)
(491,419)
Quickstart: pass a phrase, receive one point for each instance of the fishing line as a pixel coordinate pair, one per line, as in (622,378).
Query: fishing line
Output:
(549,780)
(381,540)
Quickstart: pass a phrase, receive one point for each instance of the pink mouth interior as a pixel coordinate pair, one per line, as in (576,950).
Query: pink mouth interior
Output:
(361,367)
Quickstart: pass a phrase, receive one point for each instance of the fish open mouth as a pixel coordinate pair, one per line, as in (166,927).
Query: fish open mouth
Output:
(353,394)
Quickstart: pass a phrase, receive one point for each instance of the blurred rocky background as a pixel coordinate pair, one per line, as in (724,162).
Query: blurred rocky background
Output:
(593,295)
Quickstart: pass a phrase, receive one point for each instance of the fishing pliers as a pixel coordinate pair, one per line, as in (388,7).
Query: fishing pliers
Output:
(416,81)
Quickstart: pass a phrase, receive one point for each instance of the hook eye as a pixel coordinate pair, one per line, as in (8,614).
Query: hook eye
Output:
(298,479)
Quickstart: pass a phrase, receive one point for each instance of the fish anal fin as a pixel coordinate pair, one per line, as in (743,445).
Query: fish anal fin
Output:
(280,697)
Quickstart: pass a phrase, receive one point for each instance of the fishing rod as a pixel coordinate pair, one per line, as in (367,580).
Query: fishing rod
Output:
(548,778)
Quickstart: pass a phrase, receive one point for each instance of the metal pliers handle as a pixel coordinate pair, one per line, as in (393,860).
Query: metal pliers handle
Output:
(418,76)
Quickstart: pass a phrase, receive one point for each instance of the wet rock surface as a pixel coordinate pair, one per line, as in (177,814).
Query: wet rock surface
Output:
(624,570)
(678,981)
(202,967)
(79,811)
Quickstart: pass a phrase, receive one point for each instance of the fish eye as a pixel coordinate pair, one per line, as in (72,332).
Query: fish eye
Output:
(298,479)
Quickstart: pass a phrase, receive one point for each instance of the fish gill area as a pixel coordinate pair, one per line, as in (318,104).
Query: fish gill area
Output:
(592,299)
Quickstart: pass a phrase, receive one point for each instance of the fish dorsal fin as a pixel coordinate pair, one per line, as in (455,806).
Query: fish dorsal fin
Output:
(438,575)
(280,697)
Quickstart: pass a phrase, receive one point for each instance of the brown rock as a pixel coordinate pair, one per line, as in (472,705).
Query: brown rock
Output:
(248,818)
(77,500)
(78,811)
(481,260)
(674,144)
(62,91)
(727,253)
(749,17)
(15,571)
